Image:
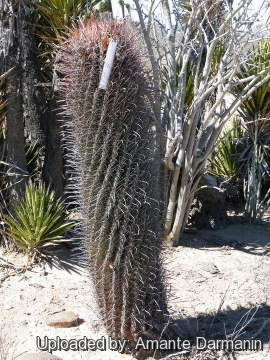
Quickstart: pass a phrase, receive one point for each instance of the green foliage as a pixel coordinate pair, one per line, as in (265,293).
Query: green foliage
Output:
(256,204)
(258,104)
(190,74)
(33,153)
(224,160)
(105,6)
(254,158)
(255,111)
(218,54)
(39,220)
(51,20)
(189,86)
(257,131)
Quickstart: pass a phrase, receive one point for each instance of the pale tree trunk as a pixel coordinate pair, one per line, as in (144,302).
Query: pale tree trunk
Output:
(189,130)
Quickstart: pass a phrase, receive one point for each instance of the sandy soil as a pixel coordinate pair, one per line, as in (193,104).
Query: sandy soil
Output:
(219,286)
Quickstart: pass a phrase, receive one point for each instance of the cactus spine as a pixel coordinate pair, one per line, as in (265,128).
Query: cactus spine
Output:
(110,138)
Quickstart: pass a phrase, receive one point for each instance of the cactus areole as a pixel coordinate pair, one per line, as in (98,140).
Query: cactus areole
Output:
(111,148)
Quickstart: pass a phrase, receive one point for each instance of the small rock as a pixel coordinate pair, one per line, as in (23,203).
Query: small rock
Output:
(38,356)
(8,307)
(13,298)
(36,285)
(63,319)
(43,273)
(199,280)
(210,268)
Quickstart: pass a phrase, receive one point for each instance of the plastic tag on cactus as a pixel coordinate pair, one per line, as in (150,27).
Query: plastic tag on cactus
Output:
(108,64)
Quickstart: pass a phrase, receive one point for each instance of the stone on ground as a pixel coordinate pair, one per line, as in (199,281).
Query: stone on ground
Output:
(62,319)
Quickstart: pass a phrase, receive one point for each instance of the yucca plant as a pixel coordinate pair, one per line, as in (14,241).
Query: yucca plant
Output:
(255,111)
(33,153)
(254,159)
(51,19)
(39,221)
(259,102)
(224,162)
(256,204)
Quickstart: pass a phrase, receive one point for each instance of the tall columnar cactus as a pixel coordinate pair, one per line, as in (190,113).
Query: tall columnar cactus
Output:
(110,138)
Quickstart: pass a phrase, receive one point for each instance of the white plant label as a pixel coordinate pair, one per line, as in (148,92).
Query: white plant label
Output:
(108,64)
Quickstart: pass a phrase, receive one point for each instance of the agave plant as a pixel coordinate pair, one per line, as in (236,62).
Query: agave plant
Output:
(39,221)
